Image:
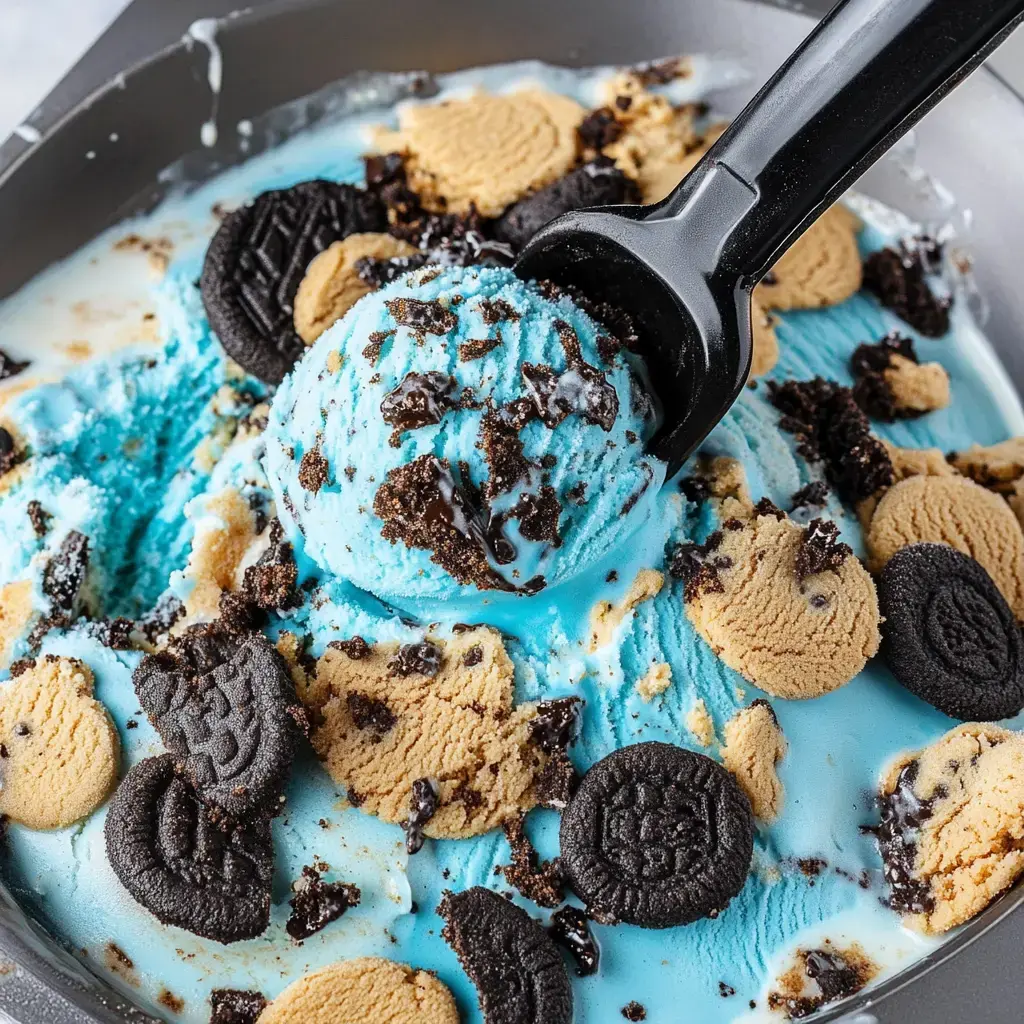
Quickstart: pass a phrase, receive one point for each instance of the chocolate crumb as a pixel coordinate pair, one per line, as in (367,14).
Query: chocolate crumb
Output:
(429,317)
(65,572)
(314,470)
(599,128)
(634,1011)
(172,1002)
(872,392)
(496,311)
(612,576)
(693,564)
(39,518)
(897,278)
(373,349)
(812,495)
(835,973)
(556,781)
(477,348)
(356,648)
(726,991)
(233,1006)
(820,550)
(423,803)
(543,883)
(570,928)
(317,903)
(370,713)
(10,455)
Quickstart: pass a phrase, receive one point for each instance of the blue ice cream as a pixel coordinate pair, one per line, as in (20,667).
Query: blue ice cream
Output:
(521,419)
(132,449)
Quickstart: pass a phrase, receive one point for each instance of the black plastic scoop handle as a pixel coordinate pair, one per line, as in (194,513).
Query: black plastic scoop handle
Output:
(685,267)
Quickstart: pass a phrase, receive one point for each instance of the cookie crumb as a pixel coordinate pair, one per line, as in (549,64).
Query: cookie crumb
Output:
(701,724)
(754,746)
(657,680)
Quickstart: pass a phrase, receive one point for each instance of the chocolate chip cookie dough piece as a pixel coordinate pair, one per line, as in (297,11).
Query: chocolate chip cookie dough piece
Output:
(754,746)
(332,284)
(823,267)
(369,990)
(59,749)
(948,634)
(16,615)
(605,617)
(892,384)
(518,972)
(188,865)
(954,511)
(258,257)
(225,706)
(998,467)
(485,151)
(441,710)
(657,836)
(786,606)
(952,826)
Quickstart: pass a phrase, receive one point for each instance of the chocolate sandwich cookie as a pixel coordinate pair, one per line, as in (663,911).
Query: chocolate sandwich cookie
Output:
(948,634)
(258,258)
(188,865)
(518,972)
(657,836)
(226,708)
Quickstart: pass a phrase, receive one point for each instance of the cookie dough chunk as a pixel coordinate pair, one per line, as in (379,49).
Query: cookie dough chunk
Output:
(952,827)
(58,747)
(823,267)
(998,466)
(332,285)
(16,613)
(441,710)
(906,462)
(369,989)
(917,388)
(754,746)
(954,511)
(657,680)
(700,723)
(755,597)
(606,617)
(485,151)
(652,141)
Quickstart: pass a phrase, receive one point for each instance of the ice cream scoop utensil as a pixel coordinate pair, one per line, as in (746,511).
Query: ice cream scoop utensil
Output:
(685,267)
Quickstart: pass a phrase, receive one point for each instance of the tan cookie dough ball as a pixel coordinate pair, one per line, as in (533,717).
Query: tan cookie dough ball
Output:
(58,746)
(999,467)
(793,638)
(369,990)
(906,462)
(380,731)
(332,285)
(605,617)
(916,388)
(754,746)
(955,511)
(969,847)
(485,151)
(823,267)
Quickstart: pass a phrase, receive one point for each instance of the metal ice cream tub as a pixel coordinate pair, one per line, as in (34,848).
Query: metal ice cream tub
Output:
(240,68)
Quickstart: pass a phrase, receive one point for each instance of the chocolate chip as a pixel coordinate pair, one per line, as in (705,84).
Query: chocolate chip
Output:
(812,495)
(317,903)
(420,400)
(634,1011)
(473,656)
(39,518)
(820,550)
(599,128)
(314,470)
(570,928)
(540,882)
(423,659)
(423,805)
(370,713)
(556,723)
(356,648)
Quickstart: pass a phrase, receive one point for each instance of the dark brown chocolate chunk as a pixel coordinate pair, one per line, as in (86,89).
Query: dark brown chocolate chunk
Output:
(420,400)
(872,392)
(473,657)
(538,516)
(812,495)
(423,803)
(496,311)
(9,366)
(596,183)
(599,128)
(820,549)
(419,659)
(317,903)
(831,428)
(429,317)
(556,782)
(370,713)
(10,454)
(356,648)
(233,1006)
(697,566)
(556,723)
(66,570)
(375,272)
(477,348)
(897,277)
(259,256)
(835,974)
(571,929)
(540,882)
(39,518)
(661,72)
(634,1011)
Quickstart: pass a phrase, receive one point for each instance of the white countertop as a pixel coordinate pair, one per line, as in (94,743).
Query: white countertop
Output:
(41,39)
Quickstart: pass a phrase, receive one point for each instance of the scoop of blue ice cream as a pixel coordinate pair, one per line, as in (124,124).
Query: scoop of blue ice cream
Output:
(460,431)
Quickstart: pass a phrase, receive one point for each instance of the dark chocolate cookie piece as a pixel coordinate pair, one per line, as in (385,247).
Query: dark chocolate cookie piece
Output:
(657,836)
(258,257)
(226,708)
(188,865)
(233,1006)
(596,183)
(518,972)
(948,634)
